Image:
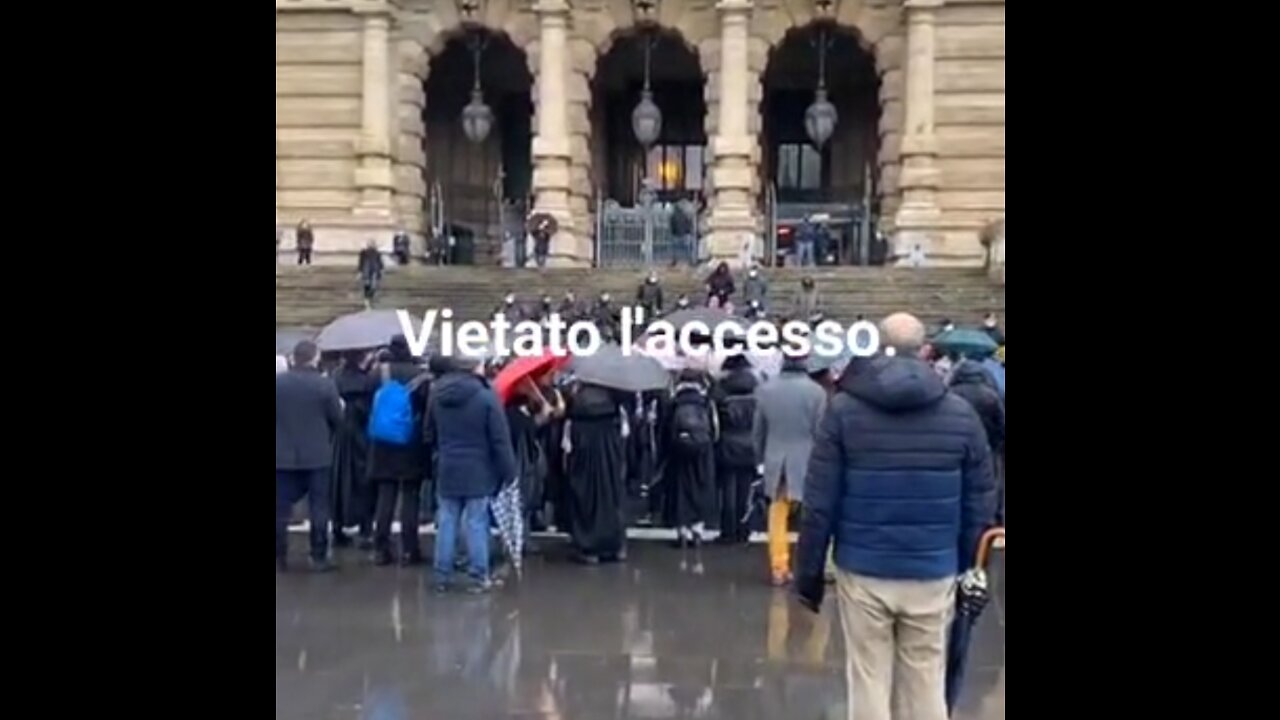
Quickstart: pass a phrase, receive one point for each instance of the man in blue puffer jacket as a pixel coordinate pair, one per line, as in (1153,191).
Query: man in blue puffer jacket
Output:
(901,479)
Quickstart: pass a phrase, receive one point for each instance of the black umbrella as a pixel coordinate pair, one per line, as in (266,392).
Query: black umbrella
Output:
(971,598)
(360,331)
(609,367)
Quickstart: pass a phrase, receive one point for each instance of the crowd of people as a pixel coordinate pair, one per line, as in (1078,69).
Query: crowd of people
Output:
(894,465)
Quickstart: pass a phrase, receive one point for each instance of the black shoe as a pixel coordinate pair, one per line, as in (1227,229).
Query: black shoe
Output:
(411,559)
(323,566)
(341,540)
(584,559)
(382,558)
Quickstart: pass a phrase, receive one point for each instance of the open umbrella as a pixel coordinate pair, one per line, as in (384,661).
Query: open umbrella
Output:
(971,598)
(542,222)
(521,368)
(360,331)
(711,317)
(509,516)
(963,341)
(610,367)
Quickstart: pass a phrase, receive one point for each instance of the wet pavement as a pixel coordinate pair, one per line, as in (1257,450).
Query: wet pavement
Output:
(669,634)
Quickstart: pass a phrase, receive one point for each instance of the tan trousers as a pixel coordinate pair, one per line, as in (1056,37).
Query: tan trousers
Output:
(895,638)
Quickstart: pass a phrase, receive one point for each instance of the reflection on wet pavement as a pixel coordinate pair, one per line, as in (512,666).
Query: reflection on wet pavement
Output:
(649,639)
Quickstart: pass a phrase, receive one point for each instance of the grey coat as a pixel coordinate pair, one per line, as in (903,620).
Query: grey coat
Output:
(308,413)
(788,410)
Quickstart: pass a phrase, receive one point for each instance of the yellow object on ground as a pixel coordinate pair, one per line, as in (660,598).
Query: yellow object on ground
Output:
(779,543)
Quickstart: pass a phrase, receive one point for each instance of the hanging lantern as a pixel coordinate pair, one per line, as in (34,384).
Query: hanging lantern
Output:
(821,116)
(477,118)
(646,118)
(820,119)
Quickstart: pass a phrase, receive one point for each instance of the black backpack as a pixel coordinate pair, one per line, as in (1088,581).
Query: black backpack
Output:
(691,427)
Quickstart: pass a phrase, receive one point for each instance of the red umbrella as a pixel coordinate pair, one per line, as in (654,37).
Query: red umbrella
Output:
(522,368)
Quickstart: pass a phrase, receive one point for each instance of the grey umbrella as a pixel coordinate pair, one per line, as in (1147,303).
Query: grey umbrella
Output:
(711,317)
(609,367)
(287,338)
(360,331)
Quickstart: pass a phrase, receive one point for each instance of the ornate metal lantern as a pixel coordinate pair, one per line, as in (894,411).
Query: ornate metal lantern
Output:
(646,118)
(821,117)
(477,118)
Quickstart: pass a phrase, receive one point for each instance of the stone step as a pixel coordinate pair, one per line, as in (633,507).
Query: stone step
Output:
(311,297)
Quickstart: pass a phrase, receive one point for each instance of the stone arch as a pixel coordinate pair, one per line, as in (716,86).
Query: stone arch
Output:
(879,30)
(420,34)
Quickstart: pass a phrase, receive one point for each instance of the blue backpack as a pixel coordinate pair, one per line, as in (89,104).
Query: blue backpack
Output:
(391,420)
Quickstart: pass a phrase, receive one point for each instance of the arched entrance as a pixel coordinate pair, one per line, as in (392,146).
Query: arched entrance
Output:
(836,182)
(478,188)
(640,189)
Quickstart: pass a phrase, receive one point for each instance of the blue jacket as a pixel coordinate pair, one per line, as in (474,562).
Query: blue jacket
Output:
(467,428)
(900,477)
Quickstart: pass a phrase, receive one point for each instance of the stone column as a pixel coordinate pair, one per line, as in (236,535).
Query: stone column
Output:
(733,215)
(551,148)
(918,218)
(374,178)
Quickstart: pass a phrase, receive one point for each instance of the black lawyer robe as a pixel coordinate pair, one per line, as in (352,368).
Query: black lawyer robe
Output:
(596,473)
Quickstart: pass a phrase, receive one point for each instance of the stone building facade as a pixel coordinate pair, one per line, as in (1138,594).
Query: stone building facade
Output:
(350,134)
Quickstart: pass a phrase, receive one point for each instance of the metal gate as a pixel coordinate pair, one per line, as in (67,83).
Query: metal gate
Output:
(636,237)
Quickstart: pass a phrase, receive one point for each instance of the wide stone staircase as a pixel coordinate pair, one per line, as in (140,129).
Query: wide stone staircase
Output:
(310,297)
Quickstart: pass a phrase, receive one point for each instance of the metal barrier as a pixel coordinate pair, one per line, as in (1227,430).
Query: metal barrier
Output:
(634,237)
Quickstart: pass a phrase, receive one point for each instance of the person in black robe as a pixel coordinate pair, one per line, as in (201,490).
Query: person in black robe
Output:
(690,473)
(736,461)
(554,503)
(642,454)
(352,498)
(397,471)
(527,413)
(596,471)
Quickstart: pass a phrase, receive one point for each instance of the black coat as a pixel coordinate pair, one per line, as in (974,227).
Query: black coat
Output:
(370,263)
(720,284)
(308,414)
(306,239)
(973,383)
(401,462)
(649,296)
(736,448)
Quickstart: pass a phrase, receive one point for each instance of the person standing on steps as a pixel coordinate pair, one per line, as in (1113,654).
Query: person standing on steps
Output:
(398,461)
(808,303)
(649,296)
(308,415)
(306,240)
(682,231)
(756,288)
(468,430)
(901,481)
(370,267)
(400,247)
(788,410)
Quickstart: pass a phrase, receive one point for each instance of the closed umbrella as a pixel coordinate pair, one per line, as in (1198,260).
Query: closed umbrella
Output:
(360,331)
(963,341)
(610,367)
(971,598)
(509,517)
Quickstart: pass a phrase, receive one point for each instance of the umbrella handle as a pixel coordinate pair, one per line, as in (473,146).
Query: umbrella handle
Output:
(984,545)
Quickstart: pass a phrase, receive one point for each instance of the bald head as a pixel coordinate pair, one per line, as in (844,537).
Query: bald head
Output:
(903,332)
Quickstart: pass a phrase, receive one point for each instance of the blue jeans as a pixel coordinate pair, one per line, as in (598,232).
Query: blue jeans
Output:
(291,486)
(475,527)
(804,253)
